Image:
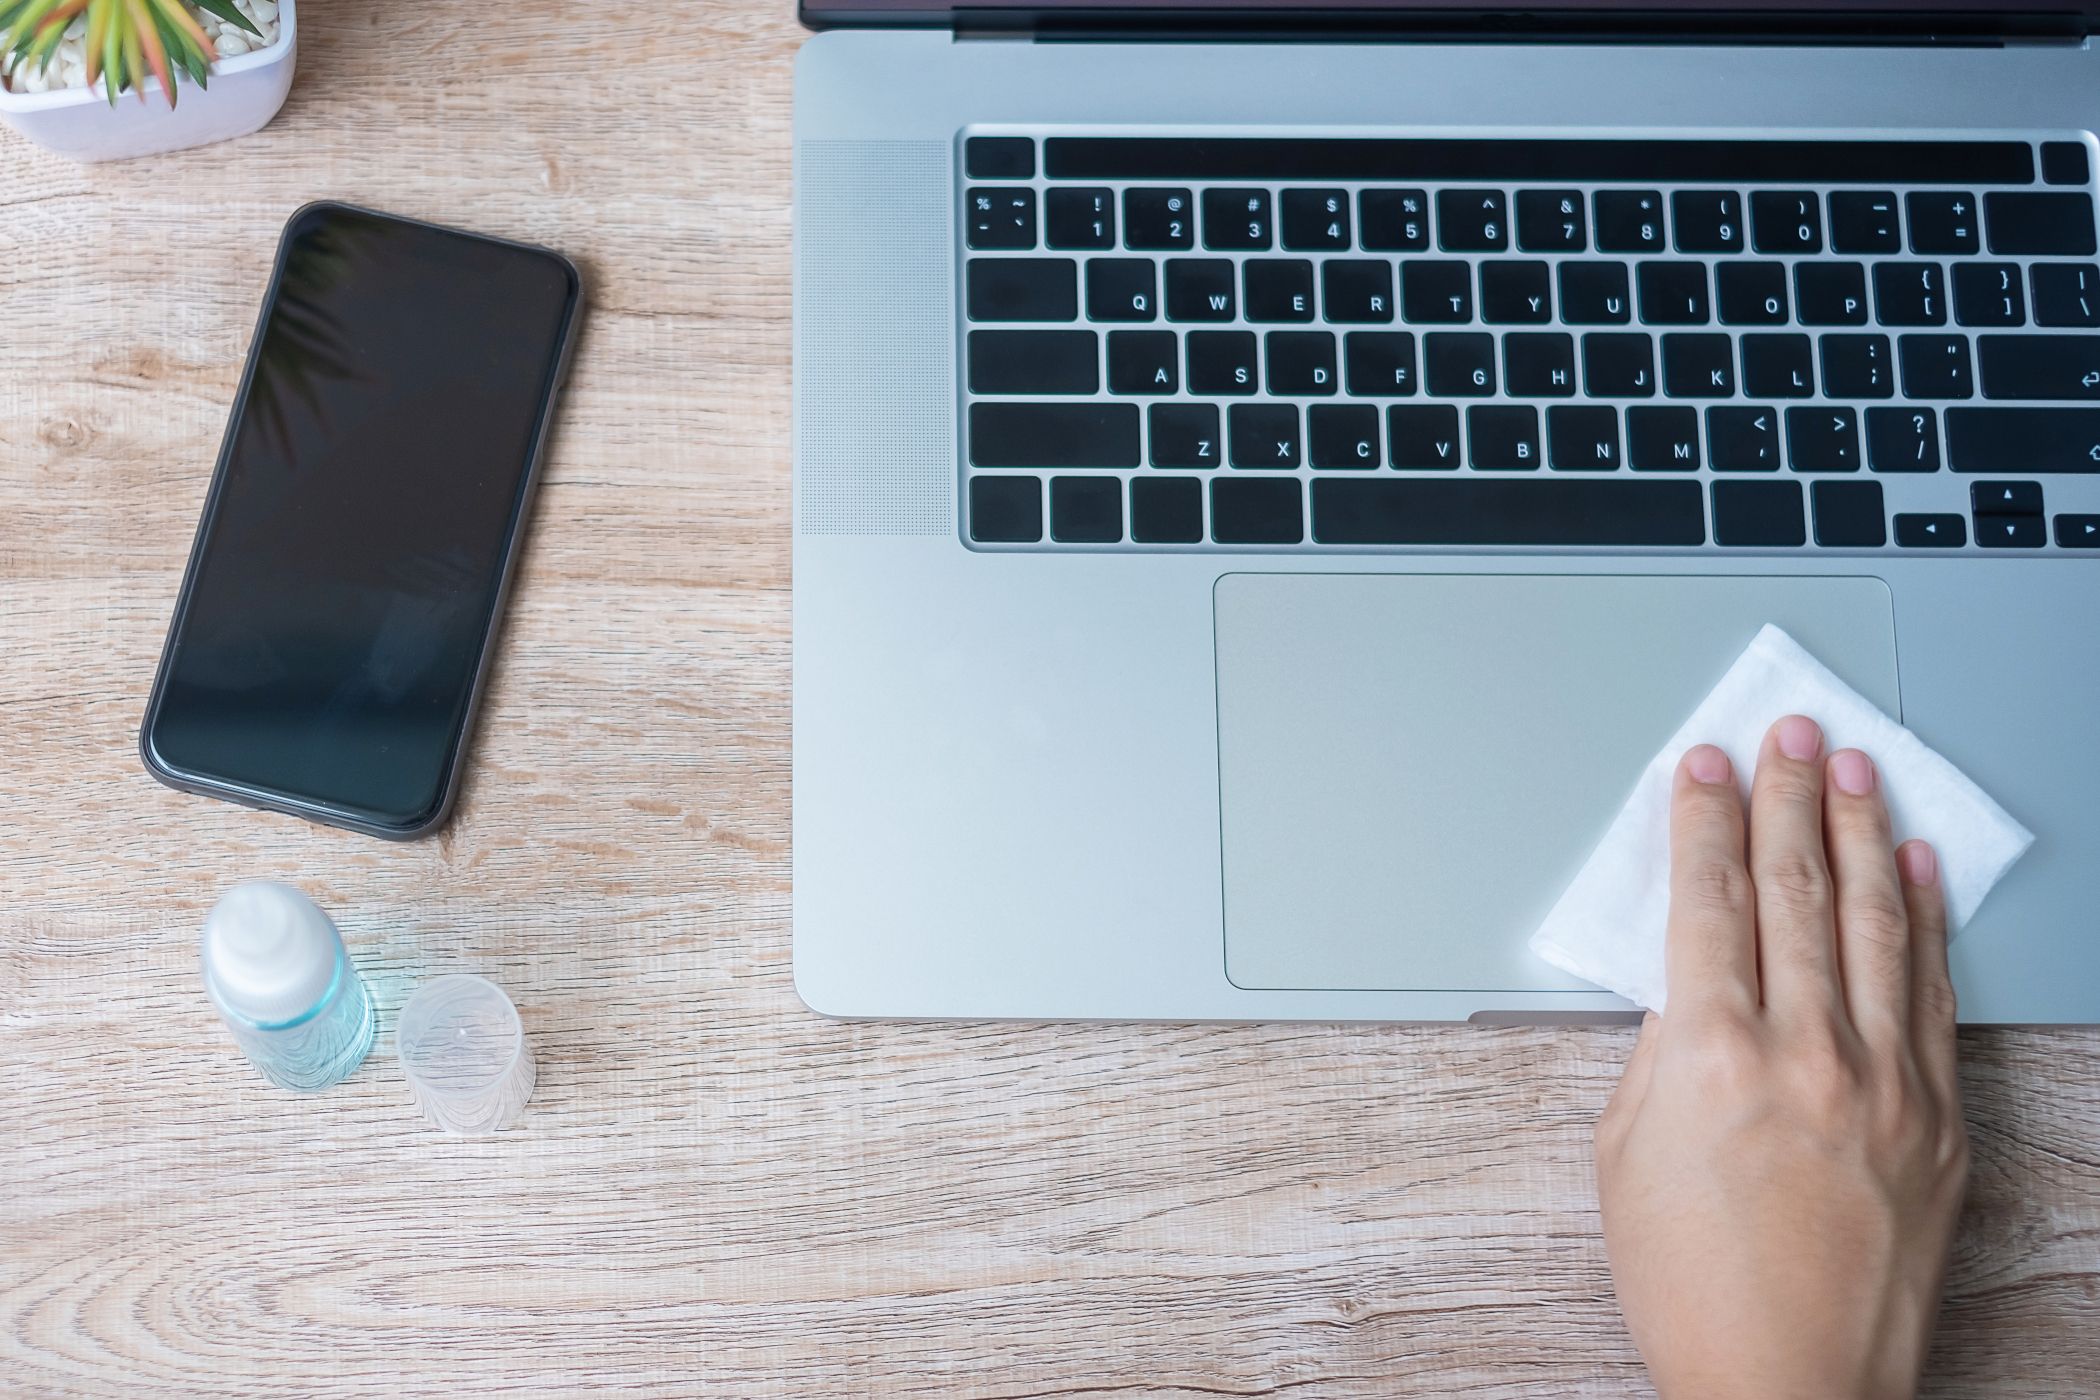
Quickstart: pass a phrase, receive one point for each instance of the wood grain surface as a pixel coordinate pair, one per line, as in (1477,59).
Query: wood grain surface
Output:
(714,1191)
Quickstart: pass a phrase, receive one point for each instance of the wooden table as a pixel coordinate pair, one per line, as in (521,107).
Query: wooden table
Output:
(714,1190)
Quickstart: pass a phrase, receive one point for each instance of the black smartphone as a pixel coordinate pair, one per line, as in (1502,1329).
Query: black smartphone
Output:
(342,597)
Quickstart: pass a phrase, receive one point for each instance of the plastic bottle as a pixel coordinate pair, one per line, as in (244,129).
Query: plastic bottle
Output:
(275,968)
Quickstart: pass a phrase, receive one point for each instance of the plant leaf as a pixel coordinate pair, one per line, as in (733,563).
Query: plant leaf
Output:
(226,10)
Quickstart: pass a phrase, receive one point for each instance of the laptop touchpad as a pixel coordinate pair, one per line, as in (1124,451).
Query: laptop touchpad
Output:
(1412,767)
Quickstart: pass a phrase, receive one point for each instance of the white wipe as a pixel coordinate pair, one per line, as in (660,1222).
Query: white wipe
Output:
(1608,926)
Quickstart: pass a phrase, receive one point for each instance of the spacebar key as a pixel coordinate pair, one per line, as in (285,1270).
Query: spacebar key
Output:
(1461,512)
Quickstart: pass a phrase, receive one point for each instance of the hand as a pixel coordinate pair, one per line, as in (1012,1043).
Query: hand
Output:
(1782,1165)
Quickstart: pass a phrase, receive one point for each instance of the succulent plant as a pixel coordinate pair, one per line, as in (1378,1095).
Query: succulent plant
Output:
(126,40)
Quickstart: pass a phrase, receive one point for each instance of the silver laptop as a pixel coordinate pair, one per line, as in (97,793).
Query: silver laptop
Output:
(1268,477)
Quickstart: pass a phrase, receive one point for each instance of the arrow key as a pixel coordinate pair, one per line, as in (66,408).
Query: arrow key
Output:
(1931,531)
(2011,532)
(2078,531)
(2006,497)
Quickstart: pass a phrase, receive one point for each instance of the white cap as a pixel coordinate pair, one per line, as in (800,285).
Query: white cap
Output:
(269,952)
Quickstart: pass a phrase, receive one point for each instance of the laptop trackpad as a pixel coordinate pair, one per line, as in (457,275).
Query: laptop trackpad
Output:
(1412,767)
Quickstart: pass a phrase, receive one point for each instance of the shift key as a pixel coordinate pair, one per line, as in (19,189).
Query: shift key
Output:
(2023,441)
(1053,435)
(2047,368)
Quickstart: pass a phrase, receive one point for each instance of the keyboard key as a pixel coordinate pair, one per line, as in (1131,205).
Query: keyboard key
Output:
(1423,437)
(1903,440)
(1674,294)
(1583,437)
(1185,435)
(2066,163)
(2005,497)
(1848,514)
(1830,294)
(1222,362)
(1931,531)
(1022,289)
(1778,366)
(1942,223)
(1786,221)
(1356,292)
(1301,363)
(1544,513)
(1743,439)
(1698,366)
(1236,220)
(1249,510)
(1200,289)
(1053,435)
(1393,221)
(1472,221)
(1515,293)
(1316,220)
(2024,441)
(1279,289)
(1006,509)
(1539,364)
(2047,367)
(1618,365)
(1435,292)
(1121,289)
(999,158)
(1503,437)
(1595,294)
(1263,435)
(1936,367)
(1822,439)
(1078,218)
(1166,510)
(1159,221)
(999,218)
(1989,294)
(1459,365)
(1551,221)
(1629,221)
(1751,293)
(2011,531)
(1864,221)
(1086,509)
(2078,531)
(1381,364)
(1342,435)
(1758,514)
(1909,294)
(1662,439)
(1857,367)
(2040,225)
(1034,362)
(1708,221)
(2066,294)
(1143,362)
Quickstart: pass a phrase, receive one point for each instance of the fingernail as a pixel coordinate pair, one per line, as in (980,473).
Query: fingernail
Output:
(1852,771)
(1920,866)
(1707,764)
(1799,737)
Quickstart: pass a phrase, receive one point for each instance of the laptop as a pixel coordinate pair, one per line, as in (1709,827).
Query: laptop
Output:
(1268,477)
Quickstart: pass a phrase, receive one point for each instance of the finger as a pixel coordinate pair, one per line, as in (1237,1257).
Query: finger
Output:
(1710,950)
(1873,923)
(1796,929)
(1932,1008)
(1633,1084)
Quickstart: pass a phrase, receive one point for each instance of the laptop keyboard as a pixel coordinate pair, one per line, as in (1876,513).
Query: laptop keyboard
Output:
(1357,344)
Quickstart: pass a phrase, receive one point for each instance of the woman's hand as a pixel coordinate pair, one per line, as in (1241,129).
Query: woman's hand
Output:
(1781,1168)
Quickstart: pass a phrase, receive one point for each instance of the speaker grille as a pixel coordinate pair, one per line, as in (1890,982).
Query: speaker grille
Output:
(874,339)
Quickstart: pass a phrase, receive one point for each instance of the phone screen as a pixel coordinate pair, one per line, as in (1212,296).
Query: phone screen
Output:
(353,554)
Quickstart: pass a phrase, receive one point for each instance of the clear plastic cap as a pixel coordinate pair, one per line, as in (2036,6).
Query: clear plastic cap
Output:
(270,954)
(463,1049)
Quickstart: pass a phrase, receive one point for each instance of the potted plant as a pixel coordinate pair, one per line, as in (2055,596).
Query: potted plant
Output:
(202,70)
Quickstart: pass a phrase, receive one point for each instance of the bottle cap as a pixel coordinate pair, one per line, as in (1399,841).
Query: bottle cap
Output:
(270,954)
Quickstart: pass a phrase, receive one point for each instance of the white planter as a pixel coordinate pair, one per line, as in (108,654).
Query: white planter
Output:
(246,91)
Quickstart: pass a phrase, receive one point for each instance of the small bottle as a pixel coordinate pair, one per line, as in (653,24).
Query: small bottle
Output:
(275,968)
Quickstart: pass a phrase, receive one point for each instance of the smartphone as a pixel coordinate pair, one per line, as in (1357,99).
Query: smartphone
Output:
(342,597)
